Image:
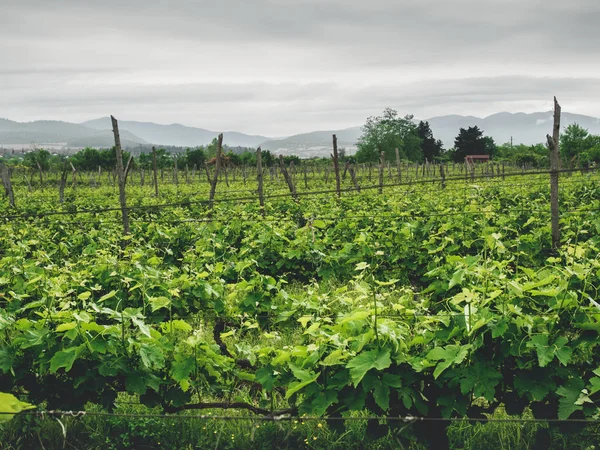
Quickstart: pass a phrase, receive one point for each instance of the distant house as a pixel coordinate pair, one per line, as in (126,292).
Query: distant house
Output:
(471,159)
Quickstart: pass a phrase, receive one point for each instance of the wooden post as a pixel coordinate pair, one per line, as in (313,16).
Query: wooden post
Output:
(5,174)
(175,171)
(154,170)
(553,146)
(353,176)
(259,176)
(336,165)
(398,166)
(305,176)
(121,175)
(443,175)
(381,163)
(288,178)
(213,184)
(63,182)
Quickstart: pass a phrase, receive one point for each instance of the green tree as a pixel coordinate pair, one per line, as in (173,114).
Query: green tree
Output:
(575,144)
(38,159)
(195,156)
(472,142)
(431,148)
(386,133)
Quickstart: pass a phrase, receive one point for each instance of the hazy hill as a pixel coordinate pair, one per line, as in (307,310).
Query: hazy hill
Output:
(524,128)
(176,134)
(316,143)
(69,134)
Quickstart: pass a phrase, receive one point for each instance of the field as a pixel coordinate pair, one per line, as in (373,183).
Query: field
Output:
(321,322)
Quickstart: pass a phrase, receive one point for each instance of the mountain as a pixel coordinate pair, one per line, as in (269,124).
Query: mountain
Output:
(316,143)
(66,134)
(523,128)
(175,134)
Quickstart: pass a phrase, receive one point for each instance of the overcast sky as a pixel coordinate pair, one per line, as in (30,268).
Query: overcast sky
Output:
(280,67)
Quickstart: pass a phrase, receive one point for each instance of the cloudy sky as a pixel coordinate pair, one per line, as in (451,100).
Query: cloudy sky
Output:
(280,67)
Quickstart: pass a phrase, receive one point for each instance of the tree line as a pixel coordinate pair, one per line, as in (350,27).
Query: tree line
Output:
(416,143)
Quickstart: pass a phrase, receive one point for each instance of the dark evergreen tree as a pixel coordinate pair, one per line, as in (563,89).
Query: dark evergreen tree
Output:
(431,147)
(470,142)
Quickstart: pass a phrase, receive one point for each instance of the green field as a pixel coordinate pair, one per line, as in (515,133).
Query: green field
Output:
(422,301)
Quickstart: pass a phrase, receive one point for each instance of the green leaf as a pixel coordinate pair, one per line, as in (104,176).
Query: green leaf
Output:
(451,354)
(296,386)
(159,302)
(320,403)
(319,224)
(84,295)
(152,356)
(64,358)
(545,353)
(381,394)
(265,377)
(105,297)
(373,359)
(334,358)
(182,367)
(11,404)
(66,327)
(570,393)
(457,279)
(392,380)
(142,326)
(6,359)
(362,266)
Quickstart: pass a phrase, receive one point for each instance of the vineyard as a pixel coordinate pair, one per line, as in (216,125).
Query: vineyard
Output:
(391,307)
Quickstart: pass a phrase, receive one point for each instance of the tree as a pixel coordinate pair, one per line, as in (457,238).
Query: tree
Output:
(38,160)
(574,142)
(386,133)
(472,142)
(430,147)
(195,157)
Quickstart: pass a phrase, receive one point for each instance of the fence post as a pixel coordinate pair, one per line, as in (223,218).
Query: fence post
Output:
(353,176)
(154,170)
(259,176)
(398,166)
(288,178)
(121,175)
(4,172)
(443,175)
(381,155)
(553,146)
(213,183)
(336,165)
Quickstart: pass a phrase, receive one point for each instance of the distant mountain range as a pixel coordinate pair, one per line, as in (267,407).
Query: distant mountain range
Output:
(523,128)
(177,135)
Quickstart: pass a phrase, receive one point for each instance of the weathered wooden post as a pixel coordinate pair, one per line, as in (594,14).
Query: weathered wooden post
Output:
(213,183)
(398,166)
(259,176)
(381,163)
(121,175)
(336,165)
(553,146)
(5,174)
(288,178)
(154,170)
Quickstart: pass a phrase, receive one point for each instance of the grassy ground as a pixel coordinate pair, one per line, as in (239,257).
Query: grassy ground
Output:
(115,433)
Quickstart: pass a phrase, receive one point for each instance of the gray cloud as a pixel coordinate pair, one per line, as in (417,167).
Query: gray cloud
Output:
(280,67)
